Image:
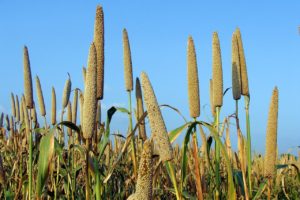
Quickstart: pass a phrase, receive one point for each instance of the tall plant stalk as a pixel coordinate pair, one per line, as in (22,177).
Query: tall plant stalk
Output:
(133,153)
(30,157)
(249,157)
(218,156)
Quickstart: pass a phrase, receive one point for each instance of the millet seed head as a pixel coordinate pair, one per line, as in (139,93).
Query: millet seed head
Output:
(236,80)
(193,82)
(27,80)
(53,107)
(99,44)
(140,109)
(217,72)
(242,60)
(74,106)
(66,93)
(145,173)
(13,105)
(17,109)
(90,95)
(40,96)
(158,129)
(127,62)
(69,117)
(271,136)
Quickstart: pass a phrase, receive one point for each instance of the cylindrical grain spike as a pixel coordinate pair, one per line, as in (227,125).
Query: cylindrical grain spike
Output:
(98,117)
(99,44)
(244,75)
(158,129)
(33,114)
(211,98)
(27,80)
(90,96)
(13,105)
(193,82)
(144,180)
(127,62)
(84,75)
(140,109)
(217,72)
(1,119)
(53,107)
(236,80)
(17,109)
(271,137)
(40,96)
(74,106)
(81,100)
(66,94)
(69,117)
(26,118)
(7,123)
(12,124)
(21,109)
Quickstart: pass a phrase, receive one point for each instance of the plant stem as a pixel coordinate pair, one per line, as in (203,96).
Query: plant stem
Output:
(197,167)
(133,154)
(87,183)
(218,157)
(173,179)
(30,158)
(249,158)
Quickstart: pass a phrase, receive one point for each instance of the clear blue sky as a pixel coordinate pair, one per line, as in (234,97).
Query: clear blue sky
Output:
(58,35)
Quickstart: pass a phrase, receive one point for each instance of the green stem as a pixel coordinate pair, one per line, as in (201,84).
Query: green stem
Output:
(87,182)
(133,154)
(249,158)
(98,187)
(218,157)
(30,159)
(173,179)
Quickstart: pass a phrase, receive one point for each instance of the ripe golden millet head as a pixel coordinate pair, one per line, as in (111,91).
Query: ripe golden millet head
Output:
(13,104)
(26,118)
(21,108)
(271,137)
(144,180)
(74,106)
(69,117)
(27,80)
(84,75)
(99,44)
(140,109)
(17,109)
(217,72)
(193,82)
(158,129)
(90,95)
(33,114)
(1,119)
(236,78)
(53,107)
(7,122)
(127,62)
(40,96)
(81,100)
(243,66)
(66,93)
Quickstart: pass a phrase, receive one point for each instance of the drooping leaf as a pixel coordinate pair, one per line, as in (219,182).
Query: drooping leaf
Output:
(176,132)
(105,138)
(45,157)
